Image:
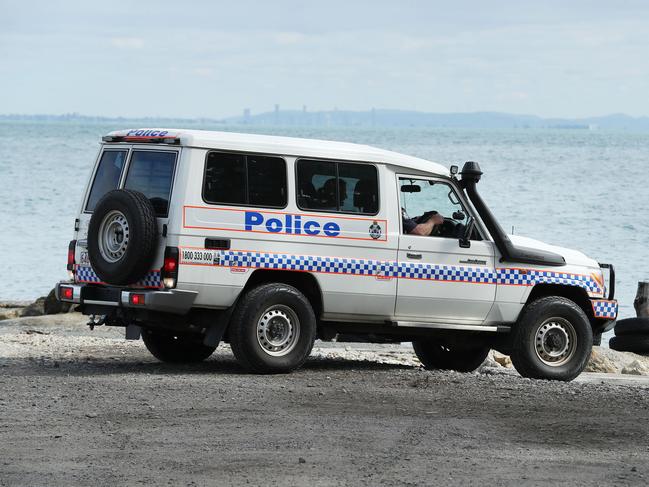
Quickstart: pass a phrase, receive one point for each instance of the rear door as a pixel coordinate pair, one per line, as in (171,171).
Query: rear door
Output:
(107,175)
(152,172)
(139,168)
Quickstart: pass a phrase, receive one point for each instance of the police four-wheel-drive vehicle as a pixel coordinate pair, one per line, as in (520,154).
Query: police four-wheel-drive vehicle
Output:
(189,238)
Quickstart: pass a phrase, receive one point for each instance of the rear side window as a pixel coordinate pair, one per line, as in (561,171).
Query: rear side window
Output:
(246,180)
(152,173)
(107,176)
(337,186)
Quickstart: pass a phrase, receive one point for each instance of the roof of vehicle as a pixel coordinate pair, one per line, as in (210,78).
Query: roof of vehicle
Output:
(271,144)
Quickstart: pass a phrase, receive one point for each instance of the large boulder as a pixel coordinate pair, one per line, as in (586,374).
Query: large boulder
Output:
(53,306)
(46,305)
(37,308)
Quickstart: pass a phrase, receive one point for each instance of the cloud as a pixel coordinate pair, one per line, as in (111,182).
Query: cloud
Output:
(551,58)
(203,72)
(289,38)
(127,42)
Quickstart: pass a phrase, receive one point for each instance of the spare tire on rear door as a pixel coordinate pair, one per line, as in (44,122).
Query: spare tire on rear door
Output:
(122,237)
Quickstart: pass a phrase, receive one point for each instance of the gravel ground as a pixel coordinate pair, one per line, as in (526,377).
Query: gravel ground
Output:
(88,408)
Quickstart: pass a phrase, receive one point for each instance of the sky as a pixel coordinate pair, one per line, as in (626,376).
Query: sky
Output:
(214,58)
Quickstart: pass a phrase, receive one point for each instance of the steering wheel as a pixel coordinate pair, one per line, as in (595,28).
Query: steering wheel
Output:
(449,229)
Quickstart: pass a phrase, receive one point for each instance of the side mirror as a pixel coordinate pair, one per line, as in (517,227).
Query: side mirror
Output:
(465,240)
(458,215)
(411,188)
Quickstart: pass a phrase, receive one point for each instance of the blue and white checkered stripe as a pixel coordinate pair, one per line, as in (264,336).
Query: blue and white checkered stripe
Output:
(86,274)
(331,265)
(403,270)
(356,267)
(530,277)
(605,308)
(409,270)
(151,279)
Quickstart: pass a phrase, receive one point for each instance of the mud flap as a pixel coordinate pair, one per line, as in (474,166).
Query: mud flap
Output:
(215,332)
(133,332)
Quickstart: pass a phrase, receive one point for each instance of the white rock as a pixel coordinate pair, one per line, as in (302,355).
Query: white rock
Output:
(503,360)
(600,362)
(636,368)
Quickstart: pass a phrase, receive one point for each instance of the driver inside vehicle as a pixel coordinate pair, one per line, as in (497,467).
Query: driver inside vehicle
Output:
(422,225)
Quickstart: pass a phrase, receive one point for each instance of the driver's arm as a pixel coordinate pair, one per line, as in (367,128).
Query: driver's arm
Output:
(426,227)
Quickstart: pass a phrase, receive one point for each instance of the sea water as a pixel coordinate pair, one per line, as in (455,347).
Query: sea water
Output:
(583,189)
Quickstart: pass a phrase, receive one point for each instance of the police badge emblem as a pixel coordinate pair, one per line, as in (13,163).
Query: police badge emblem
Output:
(375,230)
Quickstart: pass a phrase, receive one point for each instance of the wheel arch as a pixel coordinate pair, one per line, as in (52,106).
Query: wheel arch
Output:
(305,282)
(574,293)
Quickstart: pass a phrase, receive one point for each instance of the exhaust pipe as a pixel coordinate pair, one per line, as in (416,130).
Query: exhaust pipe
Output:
(471,175)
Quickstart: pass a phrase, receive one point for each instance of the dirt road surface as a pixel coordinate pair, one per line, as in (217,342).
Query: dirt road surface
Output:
(87,408)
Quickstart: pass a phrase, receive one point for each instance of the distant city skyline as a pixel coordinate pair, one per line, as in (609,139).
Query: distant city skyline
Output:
(213,59)
(368,118)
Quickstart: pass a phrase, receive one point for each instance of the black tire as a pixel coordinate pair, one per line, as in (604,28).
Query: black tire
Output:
(558,323)
(630,343)
(632,326)
(141,242)
(176,349)
(266,311)
(436,356)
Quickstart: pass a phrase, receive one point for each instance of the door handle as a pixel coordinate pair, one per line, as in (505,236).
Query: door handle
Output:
(413,255)
(217,244)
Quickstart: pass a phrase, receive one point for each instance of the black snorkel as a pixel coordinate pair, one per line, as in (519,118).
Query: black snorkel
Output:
(471,174)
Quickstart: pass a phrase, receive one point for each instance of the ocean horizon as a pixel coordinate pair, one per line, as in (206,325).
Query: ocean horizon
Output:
(581,189)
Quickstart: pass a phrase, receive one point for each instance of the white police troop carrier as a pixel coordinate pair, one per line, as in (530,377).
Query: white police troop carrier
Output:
(189,238)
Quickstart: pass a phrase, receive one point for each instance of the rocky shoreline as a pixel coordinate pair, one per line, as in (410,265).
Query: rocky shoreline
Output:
(45,305)
(23,316)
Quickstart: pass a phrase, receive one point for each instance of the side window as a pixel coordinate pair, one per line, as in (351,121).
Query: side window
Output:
(225,179)
(152,173)
(337,186)
(421,196)
(316,185)
(107,176)
(266,181)
(247,180)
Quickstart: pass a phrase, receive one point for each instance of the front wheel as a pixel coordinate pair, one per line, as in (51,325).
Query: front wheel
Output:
(434,355)
(552,340)
(177,349)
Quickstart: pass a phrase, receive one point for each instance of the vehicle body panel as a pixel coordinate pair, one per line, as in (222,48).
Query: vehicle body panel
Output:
(361,263)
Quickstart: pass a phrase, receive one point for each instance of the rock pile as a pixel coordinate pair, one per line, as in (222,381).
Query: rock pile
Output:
(45,305)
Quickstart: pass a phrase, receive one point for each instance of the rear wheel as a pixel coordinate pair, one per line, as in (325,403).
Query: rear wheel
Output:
(552,340)
(176,348)
(272,329)
(434,355)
